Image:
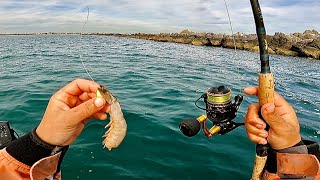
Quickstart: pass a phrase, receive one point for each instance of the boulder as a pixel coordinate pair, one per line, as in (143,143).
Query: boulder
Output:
(310,34)
(201,42)
(216,42)
(181,40)
(227,42)
(299,35)
(186,32)
(251,48)
(281,40)
(285,52)
(271,51)
(306,51)
(313,32)
(315,43)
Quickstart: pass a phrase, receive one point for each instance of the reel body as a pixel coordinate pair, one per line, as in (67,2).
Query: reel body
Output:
(220,110)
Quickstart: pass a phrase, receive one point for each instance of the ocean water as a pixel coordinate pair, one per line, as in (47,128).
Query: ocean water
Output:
(156,84)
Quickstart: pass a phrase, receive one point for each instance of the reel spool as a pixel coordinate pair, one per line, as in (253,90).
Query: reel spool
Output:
(219,110)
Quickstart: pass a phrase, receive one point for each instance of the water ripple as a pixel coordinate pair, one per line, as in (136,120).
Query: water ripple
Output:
(156,84)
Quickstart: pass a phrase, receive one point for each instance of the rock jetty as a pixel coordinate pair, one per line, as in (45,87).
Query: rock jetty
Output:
(306,44)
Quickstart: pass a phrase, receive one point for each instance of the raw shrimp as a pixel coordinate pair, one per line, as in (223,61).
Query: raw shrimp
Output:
(117,125)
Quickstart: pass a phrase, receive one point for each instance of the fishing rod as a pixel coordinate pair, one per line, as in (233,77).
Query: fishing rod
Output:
(219,107)
(266,86)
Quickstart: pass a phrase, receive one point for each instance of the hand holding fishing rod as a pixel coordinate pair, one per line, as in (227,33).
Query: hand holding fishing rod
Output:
(284,129)
(290,157)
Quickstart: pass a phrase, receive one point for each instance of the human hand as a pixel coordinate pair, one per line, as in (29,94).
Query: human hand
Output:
(68,110)
(284,129)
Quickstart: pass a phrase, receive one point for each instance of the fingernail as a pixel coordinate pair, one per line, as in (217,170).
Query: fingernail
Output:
(99,102)
(270,108)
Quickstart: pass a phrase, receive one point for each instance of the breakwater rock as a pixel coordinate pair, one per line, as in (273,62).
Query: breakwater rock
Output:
(306,44)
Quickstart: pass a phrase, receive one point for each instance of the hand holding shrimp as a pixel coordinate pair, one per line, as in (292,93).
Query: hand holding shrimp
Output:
(69,110)
(73,106)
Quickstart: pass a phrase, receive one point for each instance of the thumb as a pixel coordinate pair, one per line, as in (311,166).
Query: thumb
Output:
(269,114)
(87,109)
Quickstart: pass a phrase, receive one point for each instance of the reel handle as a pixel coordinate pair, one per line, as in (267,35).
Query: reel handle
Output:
(189,127)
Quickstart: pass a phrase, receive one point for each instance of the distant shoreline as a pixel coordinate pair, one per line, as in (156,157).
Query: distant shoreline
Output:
(306,44)
(42,33)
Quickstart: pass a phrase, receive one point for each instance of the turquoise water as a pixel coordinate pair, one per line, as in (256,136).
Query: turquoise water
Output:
(157,84)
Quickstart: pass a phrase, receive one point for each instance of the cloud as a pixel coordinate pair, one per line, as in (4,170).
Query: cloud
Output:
(154,16)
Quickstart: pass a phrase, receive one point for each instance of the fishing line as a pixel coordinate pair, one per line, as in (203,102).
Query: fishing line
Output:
(231,27)
(236,56)
(85,68)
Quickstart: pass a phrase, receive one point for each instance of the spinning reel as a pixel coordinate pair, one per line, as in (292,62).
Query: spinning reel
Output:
(219,110)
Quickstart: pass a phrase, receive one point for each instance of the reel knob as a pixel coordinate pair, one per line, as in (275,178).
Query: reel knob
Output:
(189,127)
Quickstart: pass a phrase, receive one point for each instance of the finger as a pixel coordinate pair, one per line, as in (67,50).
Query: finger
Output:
(251,90)
(253,109)
(252,113)
(101,116)
(252,117)
(256,139)
(106,108)
(87,109)
(78,86)
(86,96)
(65,98)
(92,95)
(255,121)
(77,89)
(278,99)
(256,131)
(271,116)
(102,111)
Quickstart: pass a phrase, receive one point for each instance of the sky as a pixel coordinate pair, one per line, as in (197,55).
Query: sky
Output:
(155,16)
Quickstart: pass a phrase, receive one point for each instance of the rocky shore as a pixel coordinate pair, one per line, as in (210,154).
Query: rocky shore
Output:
(306,44)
